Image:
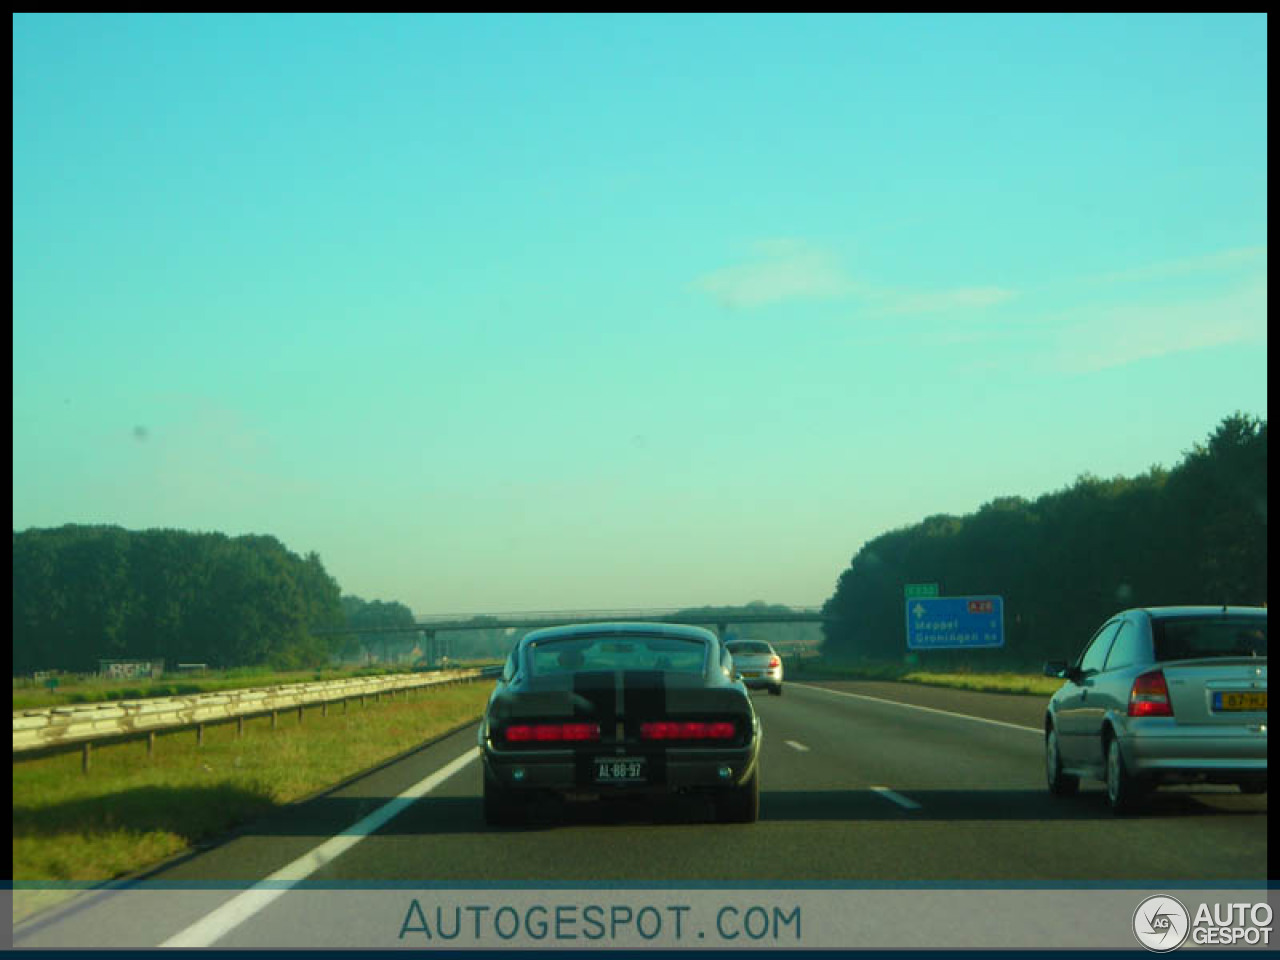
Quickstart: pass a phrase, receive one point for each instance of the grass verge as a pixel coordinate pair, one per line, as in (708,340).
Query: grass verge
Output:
(1004,682)
(132,811)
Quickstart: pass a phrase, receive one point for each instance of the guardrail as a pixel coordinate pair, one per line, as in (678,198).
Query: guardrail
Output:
(84,724)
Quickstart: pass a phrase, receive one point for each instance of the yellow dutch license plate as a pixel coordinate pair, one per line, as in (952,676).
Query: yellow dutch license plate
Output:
(1239,701)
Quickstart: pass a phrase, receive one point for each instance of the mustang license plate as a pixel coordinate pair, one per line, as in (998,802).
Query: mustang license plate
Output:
(1240,701)
(619,769)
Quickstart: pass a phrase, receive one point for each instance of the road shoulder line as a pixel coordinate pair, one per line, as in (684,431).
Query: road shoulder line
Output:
(905,802)
(913,706)
(237,910)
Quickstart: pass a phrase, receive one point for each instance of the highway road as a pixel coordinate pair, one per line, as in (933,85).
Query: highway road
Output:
(863,785)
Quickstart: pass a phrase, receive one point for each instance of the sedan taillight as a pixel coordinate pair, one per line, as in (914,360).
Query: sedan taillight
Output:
(687,730)
(552,732)
(1150,696)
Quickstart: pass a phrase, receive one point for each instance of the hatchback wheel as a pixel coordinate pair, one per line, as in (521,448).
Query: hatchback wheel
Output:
(1125,792)
(1060,784)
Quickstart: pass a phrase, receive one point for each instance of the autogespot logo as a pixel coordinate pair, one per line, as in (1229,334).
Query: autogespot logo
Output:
(1161,923)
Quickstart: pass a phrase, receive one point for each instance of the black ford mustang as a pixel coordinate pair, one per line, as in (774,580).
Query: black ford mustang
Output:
(613,709)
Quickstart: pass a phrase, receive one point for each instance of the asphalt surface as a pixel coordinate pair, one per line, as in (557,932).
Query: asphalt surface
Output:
(861,784)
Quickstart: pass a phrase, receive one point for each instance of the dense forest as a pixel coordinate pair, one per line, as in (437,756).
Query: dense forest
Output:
(84,593)
(1195,534)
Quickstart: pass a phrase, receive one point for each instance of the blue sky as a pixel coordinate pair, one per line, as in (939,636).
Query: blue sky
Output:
(515,313)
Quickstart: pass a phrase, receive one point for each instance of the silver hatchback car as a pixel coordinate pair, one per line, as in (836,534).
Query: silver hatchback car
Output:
(758,663)
(1162,695)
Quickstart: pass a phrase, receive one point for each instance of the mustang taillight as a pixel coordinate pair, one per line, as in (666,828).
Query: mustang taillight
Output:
(552,732)
(1150,696)
(774,662)
(687,730)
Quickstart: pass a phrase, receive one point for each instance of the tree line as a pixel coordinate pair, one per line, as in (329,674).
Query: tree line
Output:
(85,593)
(1064,562)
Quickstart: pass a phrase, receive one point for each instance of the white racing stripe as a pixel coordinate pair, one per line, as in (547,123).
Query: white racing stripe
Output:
(797,746)
(912,706)
(240,908)
(897,798)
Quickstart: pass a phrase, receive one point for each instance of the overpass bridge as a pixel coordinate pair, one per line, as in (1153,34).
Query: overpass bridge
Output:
(532,620)
(429,626)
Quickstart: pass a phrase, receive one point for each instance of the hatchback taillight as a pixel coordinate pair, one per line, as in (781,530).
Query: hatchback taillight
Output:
(687,730)
(552,732)
(774,662)
(1150,696)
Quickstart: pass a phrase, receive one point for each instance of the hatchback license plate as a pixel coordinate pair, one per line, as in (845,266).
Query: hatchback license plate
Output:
(619,769)
(1239,701)
(751,673)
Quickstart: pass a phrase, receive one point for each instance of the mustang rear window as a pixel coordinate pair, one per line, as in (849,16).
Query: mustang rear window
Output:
(571,654)
(1192,638)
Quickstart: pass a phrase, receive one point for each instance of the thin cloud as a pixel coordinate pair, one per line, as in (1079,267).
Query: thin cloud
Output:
(783,270)
(1219,262)
(963,298)
(1124,335)
(790,270)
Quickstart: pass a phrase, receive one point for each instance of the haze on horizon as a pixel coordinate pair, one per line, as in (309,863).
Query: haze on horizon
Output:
(516,313)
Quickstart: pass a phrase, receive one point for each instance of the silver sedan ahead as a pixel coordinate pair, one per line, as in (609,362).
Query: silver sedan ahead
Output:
(1162,695)
(757,663)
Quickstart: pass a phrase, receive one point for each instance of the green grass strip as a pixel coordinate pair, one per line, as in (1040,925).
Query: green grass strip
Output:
(132,810)
(1005,682)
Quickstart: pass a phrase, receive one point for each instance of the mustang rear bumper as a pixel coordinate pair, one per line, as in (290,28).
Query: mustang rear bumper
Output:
(573,770)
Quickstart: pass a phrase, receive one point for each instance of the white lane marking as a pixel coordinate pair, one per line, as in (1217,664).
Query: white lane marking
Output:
(945,713)
(796,746)
(240,908)
(897,798)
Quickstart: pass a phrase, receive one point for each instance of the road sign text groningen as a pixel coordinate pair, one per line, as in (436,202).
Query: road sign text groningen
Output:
(942,623)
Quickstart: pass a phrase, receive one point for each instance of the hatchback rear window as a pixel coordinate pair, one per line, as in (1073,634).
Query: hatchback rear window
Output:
(1192,638)
(748,648)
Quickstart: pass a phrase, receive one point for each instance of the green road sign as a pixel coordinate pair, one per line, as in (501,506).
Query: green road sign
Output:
(910,590)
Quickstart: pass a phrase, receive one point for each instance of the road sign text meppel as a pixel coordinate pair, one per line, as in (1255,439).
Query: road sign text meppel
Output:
(948,623)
